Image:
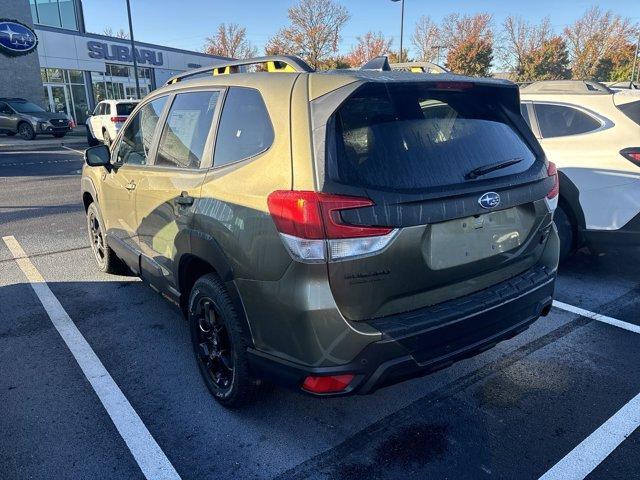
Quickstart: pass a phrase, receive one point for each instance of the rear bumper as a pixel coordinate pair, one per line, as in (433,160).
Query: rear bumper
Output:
(627,236)
(425,340)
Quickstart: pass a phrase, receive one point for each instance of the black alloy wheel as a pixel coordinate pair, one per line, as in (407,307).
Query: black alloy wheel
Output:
(26,131)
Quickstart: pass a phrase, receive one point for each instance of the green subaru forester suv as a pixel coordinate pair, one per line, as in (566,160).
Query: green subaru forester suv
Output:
(336,231)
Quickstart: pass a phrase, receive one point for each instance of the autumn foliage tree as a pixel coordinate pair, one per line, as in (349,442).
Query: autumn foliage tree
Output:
(313,33)
(470,48)
(370,45)
(594,38)
(230,41)
(533,52)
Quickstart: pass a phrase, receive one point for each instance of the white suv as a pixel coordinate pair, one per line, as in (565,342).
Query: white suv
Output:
(593,135)
(107,119)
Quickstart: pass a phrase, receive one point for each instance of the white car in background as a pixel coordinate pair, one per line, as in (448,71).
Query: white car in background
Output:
(106,120)
(592,134)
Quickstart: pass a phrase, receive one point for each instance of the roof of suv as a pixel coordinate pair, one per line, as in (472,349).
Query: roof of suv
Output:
(576,87)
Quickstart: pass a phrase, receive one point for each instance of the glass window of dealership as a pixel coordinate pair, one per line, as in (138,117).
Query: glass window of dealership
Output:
(75,92)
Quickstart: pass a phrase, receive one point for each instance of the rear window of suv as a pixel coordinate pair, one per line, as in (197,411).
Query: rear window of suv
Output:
(631,110)
(125,108)
(413,137)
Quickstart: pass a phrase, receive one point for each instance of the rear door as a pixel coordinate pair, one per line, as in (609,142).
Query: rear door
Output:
(7,117)
(455,170)
(95,121)
(167,195)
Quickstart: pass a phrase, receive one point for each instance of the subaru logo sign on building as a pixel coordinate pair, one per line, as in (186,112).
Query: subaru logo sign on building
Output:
(489,200)
(16,38)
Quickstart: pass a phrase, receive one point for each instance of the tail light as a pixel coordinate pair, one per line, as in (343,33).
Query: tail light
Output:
(332,384)
(552,171)
(312,230)
(632,154)
(118,119)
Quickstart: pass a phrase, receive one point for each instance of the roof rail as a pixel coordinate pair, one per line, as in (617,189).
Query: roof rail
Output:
(419,67)
(380,64)
(566,86)
(274,63)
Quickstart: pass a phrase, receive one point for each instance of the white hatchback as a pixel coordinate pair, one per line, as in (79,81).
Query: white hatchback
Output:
(107,119)
(592,134)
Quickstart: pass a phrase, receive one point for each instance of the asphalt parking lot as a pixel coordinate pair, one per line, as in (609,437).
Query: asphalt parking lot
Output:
(559,399)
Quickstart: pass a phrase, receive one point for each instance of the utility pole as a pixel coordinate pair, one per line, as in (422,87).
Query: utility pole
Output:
(635,60)
(438,49)
(401,28)
(133,51)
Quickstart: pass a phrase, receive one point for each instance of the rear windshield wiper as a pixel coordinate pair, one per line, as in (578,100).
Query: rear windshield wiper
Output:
(480,171)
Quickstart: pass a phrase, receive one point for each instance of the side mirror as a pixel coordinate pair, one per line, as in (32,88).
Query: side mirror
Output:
(98,156)
(89,113)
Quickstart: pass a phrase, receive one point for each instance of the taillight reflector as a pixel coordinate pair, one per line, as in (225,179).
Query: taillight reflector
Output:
(118,119)
(552,171)
(332,384)
(632,154)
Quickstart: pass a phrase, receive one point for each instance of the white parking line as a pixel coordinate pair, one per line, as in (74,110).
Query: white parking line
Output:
(596,316)
(147,453)
(592,451)
(81,152)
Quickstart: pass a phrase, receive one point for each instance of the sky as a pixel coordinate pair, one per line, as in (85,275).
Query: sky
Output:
(186,23)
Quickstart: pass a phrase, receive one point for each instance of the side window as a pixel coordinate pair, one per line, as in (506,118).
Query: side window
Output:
(185,134)
(245,127)
(4,109)
(525,113)
(98,109)
(135,142)
(561,120)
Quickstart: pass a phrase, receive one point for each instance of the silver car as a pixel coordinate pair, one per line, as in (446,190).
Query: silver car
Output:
(19,116)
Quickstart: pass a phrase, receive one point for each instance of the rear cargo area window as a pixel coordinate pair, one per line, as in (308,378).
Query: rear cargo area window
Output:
(411,136)
(125,108)
(631,110)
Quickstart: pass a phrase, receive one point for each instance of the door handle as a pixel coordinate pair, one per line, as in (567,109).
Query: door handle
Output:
(130,186)
(185,200)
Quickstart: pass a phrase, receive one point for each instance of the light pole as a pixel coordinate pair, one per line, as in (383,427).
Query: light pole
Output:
(635,59)
(401,27)
(133,51)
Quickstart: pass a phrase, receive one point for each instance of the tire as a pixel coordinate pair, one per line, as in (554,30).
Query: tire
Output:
(59,135)
(91,140)
(107,138)
(220,345)
(105,257)
(566,232)
(26,131)
(10,133)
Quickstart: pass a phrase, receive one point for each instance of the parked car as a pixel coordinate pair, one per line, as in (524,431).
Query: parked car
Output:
(593,135)
(628,85)
(25,118)
(335,232)
(107,119)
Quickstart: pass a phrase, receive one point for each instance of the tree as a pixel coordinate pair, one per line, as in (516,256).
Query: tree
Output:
(230,41)
(426,40)
(108,31)
(533,52)
(369,46)
(549,61)
(313,33)
(617,65)
(593,38)
(470,40)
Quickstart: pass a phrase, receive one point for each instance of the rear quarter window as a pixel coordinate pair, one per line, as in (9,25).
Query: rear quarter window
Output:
(562,120)
(410,137)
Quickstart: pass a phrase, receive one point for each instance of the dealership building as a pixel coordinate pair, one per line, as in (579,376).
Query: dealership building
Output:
(70,70)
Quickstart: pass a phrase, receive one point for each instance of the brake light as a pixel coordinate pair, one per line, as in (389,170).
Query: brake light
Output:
(310,226)
(332,384)
(632,154)
(552,171)
(118,119)
(453,85)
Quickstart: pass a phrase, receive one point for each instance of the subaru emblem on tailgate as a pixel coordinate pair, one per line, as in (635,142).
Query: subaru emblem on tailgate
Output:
(489,200)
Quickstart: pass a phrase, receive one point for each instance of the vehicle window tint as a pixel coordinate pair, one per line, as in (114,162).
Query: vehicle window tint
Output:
(525,113)
(136,140)
(4,109)
(416,137)
(245,127)
(187,128)
(631,110)
(560,120)
(125,108)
